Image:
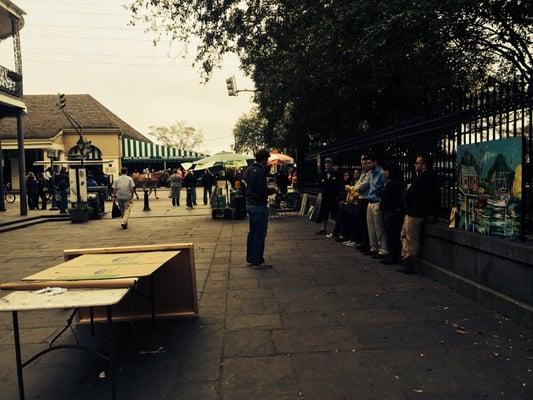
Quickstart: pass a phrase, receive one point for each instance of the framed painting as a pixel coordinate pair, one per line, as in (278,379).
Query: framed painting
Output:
(489,181)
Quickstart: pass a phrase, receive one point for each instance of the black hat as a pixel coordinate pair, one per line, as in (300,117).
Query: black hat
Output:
(328,160)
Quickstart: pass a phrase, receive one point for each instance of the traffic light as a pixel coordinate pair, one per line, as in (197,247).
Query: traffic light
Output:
(61,101)
(230,84)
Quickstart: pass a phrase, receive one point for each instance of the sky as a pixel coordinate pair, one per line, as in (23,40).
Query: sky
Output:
(86,46)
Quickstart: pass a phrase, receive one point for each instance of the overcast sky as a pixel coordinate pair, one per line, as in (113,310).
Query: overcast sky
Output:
(86,46)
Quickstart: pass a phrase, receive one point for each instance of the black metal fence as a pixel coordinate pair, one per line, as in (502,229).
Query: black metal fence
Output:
(494,112)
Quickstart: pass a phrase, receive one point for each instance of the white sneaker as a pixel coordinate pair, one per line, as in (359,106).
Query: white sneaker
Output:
(349,243)
(329,235)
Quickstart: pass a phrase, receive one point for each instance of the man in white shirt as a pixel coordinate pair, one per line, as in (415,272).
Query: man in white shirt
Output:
(123,188)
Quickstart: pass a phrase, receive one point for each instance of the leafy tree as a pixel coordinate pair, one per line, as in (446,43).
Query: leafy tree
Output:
(249,132)
(329,69)
(179,135)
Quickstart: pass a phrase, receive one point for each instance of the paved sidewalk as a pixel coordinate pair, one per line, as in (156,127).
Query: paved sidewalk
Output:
(326,323)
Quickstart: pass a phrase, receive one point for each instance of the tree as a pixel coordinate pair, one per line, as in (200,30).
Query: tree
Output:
(249,132)
(326,69)
(178,135)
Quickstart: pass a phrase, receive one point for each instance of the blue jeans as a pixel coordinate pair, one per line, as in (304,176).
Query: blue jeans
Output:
(255,246)
(190,198)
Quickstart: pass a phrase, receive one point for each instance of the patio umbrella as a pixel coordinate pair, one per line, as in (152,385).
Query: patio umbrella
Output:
(225,159)
(280,159)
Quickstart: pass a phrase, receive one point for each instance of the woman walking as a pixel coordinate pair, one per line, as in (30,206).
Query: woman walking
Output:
(175,188)
(32,189)
(43,190)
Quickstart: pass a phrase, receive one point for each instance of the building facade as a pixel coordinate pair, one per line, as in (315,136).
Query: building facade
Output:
(48,133)
(12,106)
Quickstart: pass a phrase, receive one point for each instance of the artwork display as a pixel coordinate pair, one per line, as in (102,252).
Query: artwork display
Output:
(489,179)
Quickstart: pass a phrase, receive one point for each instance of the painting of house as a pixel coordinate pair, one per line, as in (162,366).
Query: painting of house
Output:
(469,178)
(489,182)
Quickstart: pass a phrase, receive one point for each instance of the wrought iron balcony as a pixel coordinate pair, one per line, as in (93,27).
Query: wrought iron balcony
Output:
(10,82)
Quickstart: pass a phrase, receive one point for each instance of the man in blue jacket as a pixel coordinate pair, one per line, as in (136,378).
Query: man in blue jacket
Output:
(374,217)
(257,193)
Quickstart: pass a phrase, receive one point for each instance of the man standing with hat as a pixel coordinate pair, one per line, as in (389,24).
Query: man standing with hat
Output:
(329,184)
(257,192)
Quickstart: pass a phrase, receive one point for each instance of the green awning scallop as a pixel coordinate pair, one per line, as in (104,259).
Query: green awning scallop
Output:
(135,150)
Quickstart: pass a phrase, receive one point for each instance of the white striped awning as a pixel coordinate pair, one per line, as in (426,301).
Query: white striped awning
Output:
(133,150)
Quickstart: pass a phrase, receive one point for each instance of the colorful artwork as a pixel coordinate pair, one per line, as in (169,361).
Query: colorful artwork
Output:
(489,178)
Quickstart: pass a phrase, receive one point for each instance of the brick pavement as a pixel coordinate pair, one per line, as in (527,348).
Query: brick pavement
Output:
(326,323)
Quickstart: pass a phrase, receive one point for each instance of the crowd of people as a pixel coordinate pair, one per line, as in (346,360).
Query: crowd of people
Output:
(376,212)
(40,188)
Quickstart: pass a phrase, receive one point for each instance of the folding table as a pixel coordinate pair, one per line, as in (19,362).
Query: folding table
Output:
(27,301)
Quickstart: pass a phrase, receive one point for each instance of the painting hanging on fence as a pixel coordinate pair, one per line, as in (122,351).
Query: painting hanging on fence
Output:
(489,178)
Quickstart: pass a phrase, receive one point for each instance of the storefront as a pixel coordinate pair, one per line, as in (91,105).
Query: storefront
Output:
(48,133)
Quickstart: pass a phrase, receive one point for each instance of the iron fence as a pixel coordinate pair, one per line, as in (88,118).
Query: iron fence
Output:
(494,112)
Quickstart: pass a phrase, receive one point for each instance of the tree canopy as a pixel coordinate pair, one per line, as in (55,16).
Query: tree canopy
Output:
(179,135)
(328,69)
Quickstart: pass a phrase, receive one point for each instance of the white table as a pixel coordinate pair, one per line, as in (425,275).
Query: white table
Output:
(89,298)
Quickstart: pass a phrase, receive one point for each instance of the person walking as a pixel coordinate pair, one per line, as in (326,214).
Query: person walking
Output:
(208,180)
(391,207)
(190,185)
(282,181)
(175,188)
(422,200)
(62,190)
(123,188)
(329,185)
(42,190)
(257,192)
(374,218)
(32,191)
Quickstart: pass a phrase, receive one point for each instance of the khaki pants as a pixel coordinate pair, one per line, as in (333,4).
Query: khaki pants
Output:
(125,208)
(411,232)
(376,230)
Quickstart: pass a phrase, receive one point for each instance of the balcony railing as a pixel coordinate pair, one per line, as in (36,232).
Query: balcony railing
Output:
(10,82)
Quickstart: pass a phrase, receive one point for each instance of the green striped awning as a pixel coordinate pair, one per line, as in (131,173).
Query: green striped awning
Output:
(132,150)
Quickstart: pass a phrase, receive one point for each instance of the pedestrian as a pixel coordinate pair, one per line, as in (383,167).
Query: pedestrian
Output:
(208,179)
(62,184)
(346,214)
(374,219)
(329,185)
(359,235)
(257,192)
(91,182)
(391,207)
(422,200)
(32,191)
(123,188)
(282,181)
(190,185)
(175,188)
(42,189)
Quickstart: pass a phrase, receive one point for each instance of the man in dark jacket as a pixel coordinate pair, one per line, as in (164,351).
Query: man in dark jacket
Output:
(391,208)
(422,200)
(190,184)
(208,180)
(257,193)
(329,185)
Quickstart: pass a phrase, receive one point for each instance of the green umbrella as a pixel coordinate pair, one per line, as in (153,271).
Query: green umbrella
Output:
(225,159)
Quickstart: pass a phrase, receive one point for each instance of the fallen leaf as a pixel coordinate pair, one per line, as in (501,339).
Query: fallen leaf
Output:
(460,331)
(418,391)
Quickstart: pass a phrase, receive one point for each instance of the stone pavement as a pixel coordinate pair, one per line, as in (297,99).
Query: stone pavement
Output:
(326,323)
